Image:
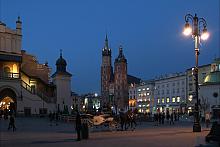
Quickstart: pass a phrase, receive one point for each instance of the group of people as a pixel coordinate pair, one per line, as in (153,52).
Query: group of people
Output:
(159,118)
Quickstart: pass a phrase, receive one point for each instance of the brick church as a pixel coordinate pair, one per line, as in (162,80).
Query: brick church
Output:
(114,82)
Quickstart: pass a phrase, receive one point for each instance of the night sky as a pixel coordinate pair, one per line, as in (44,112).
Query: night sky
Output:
(150,32)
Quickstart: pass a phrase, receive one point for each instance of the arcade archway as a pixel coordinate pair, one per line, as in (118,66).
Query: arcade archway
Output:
(8,101)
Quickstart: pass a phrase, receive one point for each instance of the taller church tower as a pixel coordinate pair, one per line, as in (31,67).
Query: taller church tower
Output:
(106,73)
(120,81)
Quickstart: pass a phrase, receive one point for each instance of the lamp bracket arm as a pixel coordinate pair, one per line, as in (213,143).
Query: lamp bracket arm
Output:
(188,16)
(203,22)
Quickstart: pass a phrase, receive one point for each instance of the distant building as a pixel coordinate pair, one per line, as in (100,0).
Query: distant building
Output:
(145,96)
(90,102)
(203,71)
(132,96)
(209,92)
(170,93)
(25,85)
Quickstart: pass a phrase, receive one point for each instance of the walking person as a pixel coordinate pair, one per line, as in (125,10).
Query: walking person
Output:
(168,117)
(12,123)
(207,119)
(78,125)
(122,120)
(163,117)
(171,119)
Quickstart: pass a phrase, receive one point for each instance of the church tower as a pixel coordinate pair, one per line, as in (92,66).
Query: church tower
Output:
(120,81)
(62,80)
(106,73)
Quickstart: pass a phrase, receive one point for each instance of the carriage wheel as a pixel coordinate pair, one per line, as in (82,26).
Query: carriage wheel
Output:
(113,126)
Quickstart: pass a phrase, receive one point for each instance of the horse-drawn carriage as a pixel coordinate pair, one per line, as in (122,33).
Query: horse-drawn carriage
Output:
(102,120)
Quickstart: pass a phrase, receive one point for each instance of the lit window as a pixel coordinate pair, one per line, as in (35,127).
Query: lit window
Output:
(162,100)
(144,94)
(143,105)
(190,98)
(168,99)
(139,105)
(148,88)
(139,89)
(143,89)
(173,99)
(178,99)
(158,101)
(148,93)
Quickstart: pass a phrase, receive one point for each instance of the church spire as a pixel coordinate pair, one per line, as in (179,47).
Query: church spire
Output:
(61,53)
(106,41)
(106,51)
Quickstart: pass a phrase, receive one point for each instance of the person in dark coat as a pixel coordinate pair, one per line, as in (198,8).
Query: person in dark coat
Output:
(12,123)
(78,125)
(163,117)
(171,119)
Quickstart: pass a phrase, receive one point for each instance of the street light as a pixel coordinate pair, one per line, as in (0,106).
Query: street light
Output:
(196,35)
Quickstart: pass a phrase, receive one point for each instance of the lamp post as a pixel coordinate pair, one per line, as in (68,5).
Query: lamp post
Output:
(196,34)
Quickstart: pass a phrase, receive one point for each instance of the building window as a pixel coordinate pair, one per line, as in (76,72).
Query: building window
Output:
(183,90)
(158,101)
(145,94)
(173,99)
(148,93)
(148,88)
(143,89)
(168,99)
(190,78)
(178,99)
(183,82)
(163,100)
(168,91)
(190,98)
(139,89)
(178,90)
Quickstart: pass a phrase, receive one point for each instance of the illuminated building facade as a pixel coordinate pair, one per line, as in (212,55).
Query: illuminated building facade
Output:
(26,87)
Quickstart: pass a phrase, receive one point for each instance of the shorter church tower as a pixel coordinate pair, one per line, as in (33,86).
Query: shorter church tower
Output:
(62,80)
(120,81)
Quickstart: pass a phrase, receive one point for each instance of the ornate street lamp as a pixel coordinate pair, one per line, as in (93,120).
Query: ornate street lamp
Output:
(196,34)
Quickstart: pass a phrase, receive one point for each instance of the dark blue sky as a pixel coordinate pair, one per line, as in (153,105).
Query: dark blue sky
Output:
(149,30)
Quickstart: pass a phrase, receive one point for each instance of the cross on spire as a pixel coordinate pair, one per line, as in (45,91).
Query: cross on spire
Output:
(61,53)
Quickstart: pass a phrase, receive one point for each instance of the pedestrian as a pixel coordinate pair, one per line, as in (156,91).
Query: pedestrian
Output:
(12,123)
(168,116)
(78,125)
(207,119)
(156,119)
(171,119)
(56,118)
(163,117)
(122,120)
(50,118)
(159,117)
(175,116)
